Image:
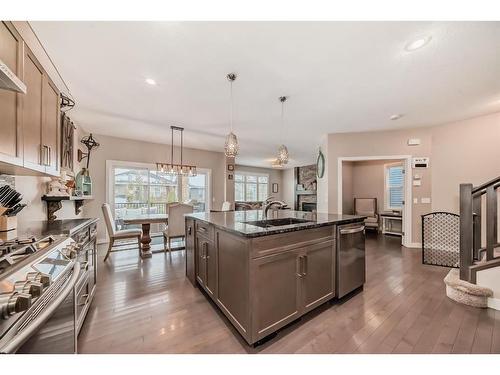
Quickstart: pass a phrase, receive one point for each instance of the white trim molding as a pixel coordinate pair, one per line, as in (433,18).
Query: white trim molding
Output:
(407,211)
(494,303)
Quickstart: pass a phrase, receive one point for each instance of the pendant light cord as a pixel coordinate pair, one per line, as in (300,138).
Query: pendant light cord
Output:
(231,110)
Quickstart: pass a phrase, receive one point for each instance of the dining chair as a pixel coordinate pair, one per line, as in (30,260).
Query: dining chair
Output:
(114,234)
(176,224)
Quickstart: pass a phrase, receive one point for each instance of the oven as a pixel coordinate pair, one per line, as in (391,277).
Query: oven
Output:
(50,325)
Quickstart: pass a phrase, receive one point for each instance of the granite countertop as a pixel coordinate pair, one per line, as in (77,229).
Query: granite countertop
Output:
(41,229)
(235,221)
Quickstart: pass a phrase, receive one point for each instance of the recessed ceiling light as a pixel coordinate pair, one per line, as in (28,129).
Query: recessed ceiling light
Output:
(150,81)
(417,43)
(396,117)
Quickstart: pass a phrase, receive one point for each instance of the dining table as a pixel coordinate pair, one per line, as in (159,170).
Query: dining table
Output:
(145,220)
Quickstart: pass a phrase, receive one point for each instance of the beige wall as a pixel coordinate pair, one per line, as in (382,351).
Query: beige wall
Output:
(347,192)
(363,179)
(464,151)
(112,148)
(275,176)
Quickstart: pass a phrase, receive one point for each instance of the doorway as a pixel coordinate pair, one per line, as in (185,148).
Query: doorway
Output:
(385,180)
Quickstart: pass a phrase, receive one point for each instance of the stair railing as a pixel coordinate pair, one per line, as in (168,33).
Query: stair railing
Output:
(471,231)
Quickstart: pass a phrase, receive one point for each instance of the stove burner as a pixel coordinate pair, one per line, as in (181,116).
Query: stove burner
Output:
(16,250)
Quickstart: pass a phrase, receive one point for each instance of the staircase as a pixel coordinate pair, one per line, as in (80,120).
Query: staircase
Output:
(477,282)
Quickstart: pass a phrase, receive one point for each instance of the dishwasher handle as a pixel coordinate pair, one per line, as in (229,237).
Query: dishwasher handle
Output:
(352,230)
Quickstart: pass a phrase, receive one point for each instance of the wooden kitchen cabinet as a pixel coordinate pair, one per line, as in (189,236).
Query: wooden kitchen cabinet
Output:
(318,275)
(190,251)
(11,53)
(40,118)
(211,268)
(276,291)
(32,113)
(262,283)
(50,125)
(201,268)
(29,123)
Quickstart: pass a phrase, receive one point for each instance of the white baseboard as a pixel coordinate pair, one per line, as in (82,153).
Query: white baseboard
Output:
(494,303)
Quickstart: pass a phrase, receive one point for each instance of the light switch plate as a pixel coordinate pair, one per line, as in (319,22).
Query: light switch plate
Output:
(417,183)
(415,200)
(425,200)
(413,142)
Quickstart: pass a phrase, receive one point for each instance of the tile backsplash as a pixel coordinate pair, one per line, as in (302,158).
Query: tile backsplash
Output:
(6,179)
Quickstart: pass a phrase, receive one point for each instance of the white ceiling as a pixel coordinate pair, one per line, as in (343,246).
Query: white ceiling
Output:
(339,76)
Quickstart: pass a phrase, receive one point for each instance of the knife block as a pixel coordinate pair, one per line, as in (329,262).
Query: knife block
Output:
(8,223)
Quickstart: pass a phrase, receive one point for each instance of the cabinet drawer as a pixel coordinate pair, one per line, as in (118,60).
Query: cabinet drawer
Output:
(204,229)
(268,245)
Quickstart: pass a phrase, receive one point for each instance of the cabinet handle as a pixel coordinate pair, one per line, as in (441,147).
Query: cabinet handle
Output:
(304,273)
(299,273)
(189,230)
(49,155)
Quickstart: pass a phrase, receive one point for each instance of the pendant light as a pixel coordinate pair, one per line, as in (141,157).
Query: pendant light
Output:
(175,168)
(283,155)
(231,146)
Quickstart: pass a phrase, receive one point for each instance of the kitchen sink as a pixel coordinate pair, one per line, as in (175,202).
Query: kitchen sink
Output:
(277,222)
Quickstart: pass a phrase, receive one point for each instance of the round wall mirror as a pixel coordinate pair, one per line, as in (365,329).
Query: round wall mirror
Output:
(320,165)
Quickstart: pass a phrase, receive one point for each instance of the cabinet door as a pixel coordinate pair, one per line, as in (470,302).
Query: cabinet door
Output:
(276,292)
(190,252)
(10,125)
(50,126)
(201,267)
(211,268)
(317,267)
(32,113)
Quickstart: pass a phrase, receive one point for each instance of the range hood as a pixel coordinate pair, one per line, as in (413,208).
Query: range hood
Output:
(9,81)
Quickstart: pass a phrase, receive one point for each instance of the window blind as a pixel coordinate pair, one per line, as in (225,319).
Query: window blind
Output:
(395,186)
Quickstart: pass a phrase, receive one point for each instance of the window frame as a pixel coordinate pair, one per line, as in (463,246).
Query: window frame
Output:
(387,199)
(110,190)
(244,182)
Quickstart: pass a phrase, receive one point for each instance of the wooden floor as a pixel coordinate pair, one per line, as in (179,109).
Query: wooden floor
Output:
(149,307)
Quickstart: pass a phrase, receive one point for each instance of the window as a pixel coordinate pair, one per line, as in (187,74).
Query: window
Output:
(394,186)
(137,188)
(142,190)
(195,191)
(251,187)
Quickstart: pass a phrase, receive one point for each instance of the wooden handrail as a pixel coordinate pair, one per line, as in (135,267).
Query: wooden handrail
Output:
(480,188)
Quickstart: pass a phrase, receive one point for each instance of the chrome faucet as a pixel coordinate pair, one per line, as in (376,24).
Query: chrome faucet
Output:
(268,205)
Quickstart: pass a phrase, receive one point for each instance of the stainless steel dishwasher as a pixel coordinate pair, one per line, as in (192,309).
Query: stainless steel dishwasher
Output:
(350,258)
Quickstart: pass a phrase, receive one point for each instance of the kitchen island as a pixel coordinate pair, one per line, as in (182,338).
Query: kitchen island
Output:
(264,274)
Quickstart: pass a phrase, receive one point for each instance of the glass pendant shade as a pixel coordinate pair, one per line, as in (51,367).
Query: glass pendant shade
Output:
(231,147)
(283,154)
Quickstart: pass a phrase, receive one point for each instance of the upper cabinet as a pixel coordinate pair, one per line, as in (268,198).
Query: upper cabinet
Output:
(11,53)
(30,123)
(50,125)
(32,113)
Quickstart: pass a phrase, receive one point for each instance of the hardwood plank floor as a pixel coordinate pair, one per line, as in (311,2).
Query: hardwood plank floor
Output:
(149,307)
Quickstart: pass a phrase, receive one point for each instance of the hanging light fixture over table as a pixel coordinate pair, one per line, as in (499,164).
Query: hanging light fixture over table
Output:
(173,168)
(283,155)
(231,146)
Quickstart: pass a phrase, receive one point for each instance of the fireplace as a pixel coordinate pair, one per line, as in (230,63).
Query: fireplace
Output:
(308,206)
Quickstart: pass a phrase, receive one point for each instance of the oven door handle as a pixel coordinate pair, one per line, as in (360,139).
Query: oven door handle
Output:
(26,333)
